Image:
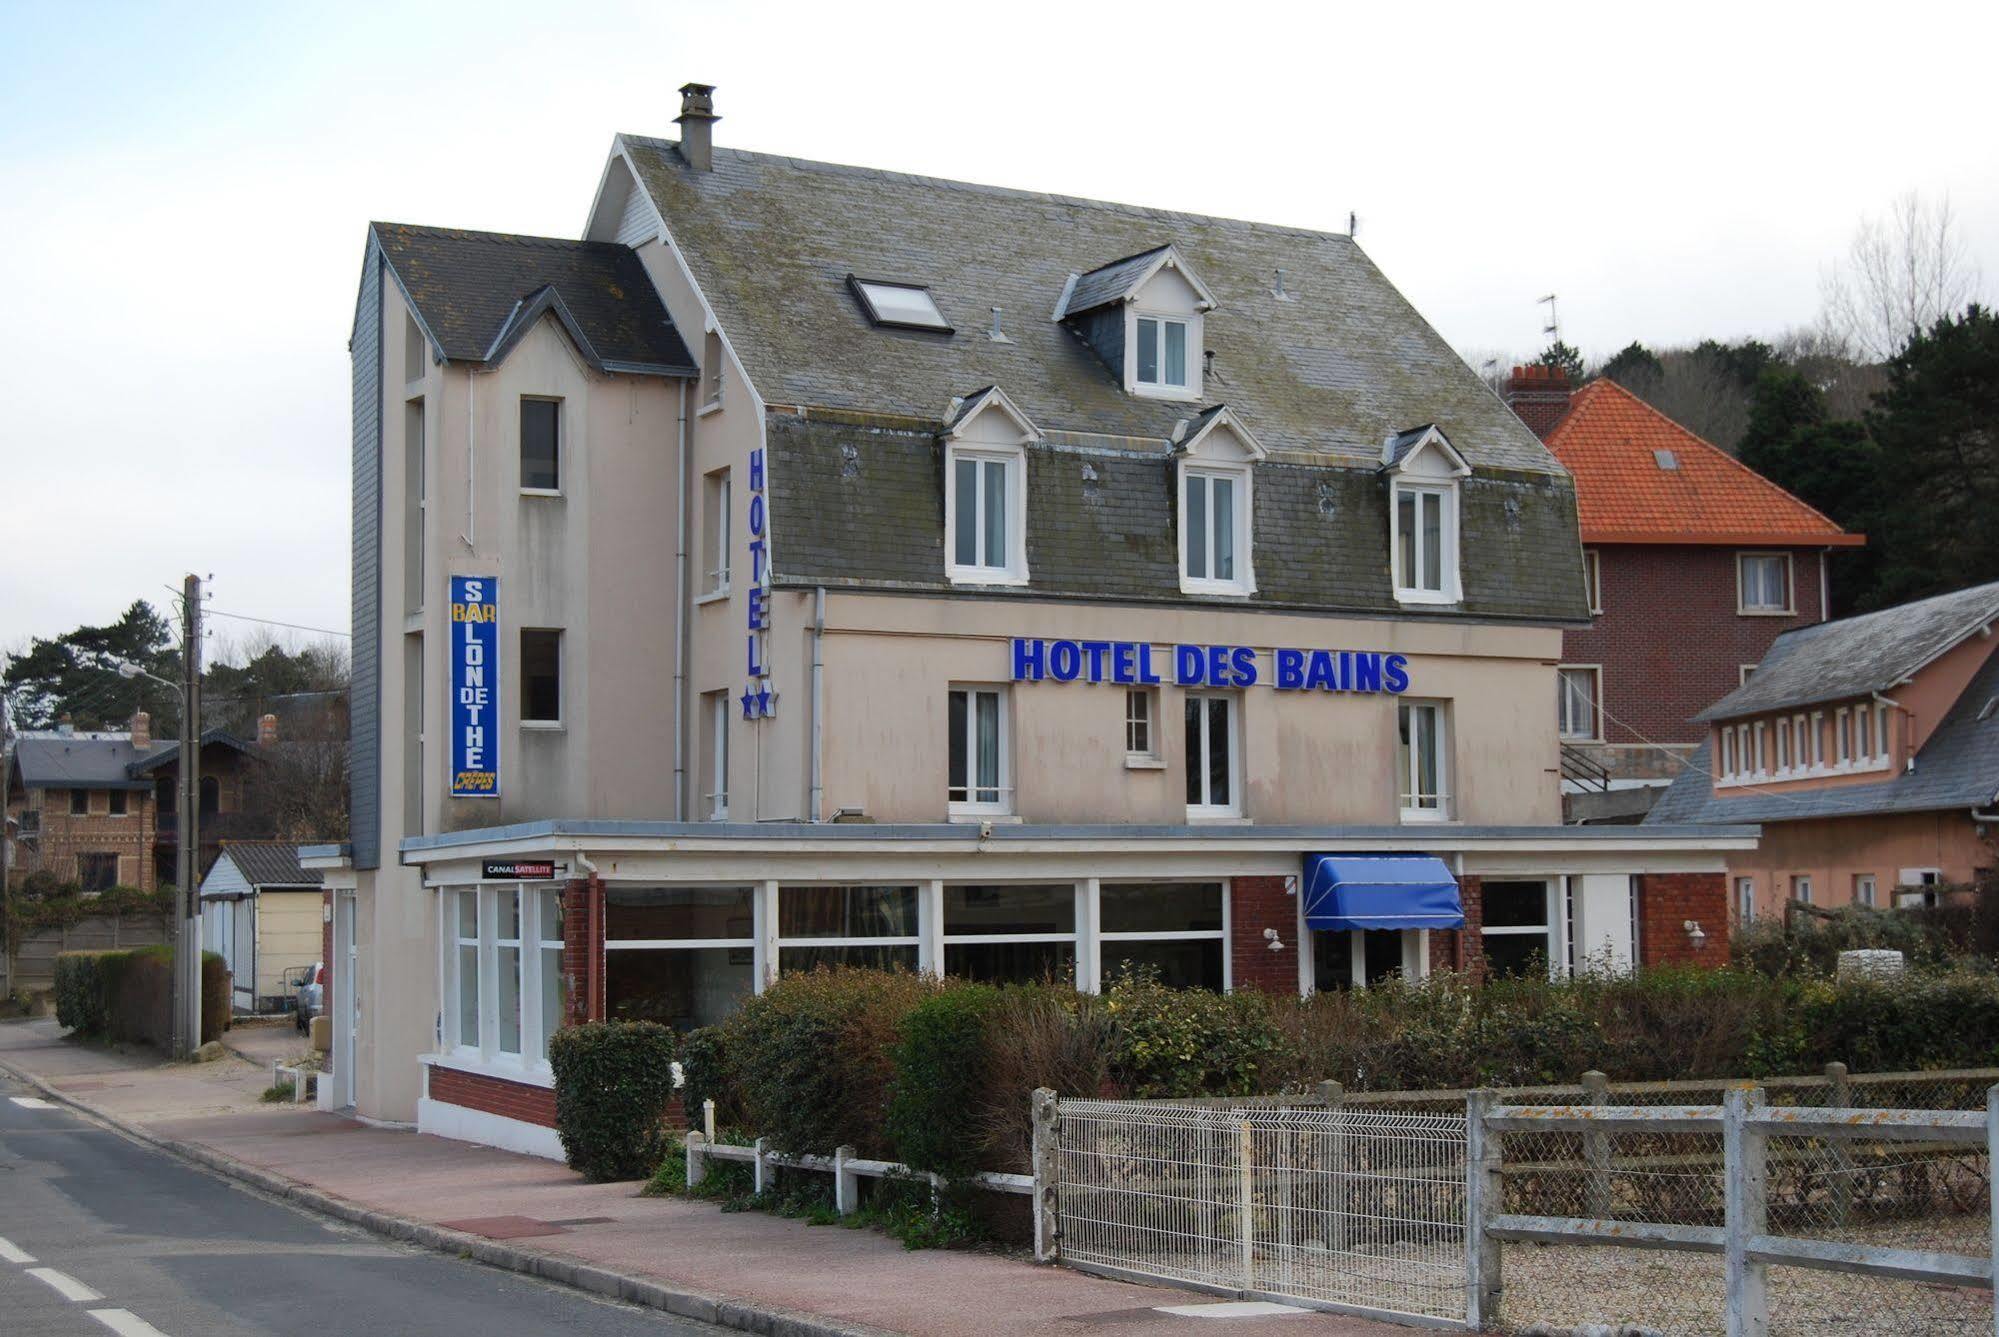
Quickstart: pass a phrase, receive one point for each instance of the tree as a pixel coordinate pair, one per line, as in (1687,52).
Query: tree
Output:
(1831,464)
(1902,274)
(263,677)
(1938,428)
(75,675)
(1636,368)
(1559,354)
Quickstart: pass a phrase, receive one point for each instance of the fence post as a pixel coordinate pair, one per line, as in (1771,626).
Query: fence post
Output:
(1335,1097)
(1246,1203)
(846,1184)
(762,1167)
(1745,1191)
(1483,1281)
(697,1159)
(708,1119)
(1596,1150)
(1839,1095)
(1047,1176)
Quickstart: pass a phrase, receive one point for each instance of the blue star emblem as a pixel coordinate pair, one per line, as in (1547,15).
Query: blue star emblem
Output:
(749,699)
(766,702)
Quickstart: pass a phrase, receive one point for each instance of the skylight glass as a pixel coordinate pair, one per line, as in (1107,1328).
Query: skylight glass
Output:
(904,304)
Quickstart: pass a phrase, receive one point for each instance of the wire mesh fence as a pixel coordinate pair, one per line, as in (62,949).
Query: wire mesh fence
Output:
(1356,1209)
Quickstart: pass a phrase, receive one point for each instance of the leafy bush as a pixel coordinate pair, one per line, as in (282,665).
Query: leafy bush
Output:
(704,1065)
(127,996)
(42,903)
(1187,1042)
(613,1084)
(1810,942)
(939,1071)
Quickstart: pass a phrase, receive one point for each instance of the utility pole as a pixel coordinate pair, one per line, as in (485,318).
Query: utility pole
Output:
(187,865)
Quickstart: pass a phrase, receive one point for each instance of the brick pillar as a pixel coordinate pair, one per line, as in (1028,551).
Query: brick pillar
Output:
(1256,904)
(1666,901)
(1540,396)
(1459,949)
(582,950)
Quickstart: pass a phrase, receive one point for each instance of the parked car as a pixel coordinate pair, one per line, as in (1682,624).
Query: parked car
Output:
(311,995)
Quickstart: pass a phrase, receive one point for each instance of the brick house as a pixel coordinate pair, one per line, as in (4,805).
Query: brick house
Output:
(1868,751)
(1694,564)
(99,809)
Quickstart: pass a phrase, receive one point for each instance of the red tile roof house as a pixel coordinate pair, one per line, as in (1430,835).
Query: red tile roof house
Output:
(1695,564)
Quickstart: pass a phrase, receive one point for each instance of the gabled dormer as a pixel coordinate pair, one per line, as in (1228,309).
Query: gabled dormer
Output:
(1144,315)
(1214,455)
(1424,470)
(985,441)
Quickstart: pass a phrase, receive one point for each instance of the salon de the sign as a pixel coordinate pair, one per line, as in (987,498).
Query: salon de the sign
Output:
(1141,663)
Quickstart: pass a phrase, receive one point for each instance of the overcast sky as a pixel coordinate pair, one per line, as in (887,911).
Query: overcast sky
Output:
(183,194)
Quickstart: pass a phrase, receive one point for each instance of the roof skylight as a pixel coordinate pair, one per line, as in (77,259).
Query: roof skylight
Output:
(906,306)
(1665,459)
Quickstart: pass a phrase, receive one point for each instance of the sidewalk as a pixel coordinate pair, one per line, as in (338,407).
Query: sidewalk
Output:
(747,1269)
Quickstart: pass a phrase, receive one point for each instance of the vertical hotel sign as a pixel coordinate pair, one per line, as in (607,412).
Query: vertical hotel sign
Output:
(475,687)
(758,700)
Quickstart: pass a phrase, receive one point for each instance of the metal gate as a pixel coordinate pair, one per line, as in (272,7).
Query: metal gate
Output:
(1355,1210)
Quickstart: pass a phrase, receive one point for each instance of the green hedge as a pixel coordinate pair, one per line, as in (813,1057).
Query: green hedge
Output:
(127,995)
(613,1086)
(939,1069)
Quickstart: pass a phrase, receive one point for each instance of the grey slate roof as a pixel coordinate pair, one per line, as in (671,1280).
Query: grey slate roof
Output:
(1957,768)
(1329,372)
(477,291)
(1102,525)
(270,863)
(162,753)
(1111,283)
(83,763)
(1857,655)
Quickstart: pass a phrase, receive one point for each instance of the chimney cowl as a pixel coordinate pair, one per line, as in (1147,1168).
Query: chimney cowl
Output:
(697,126)
(267,730)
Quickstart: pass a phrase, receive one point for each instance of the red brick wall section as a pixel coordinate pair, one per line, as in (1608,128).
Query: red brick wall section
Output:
(580,949)
(1459,949)
(1670,640)
(1666,901)
(1256,904)
(492,1095)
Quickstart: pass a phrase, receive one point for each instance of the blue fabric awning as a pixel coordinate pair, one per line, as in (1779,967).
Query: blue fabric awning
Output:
(1391,891)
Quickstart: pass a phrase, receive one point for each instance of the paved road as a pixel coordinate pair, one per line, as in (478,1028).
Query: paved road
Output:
(99,1234)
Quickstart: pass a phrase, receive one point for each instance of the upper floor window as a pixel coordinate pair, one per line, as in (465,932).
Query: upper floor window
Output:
(1216,455)
(714,759)
(1141,720)
(1214,756)
(979,779)
(715,532)
(712,373)
(541,445)
(1578,690)
(1763,582)
(79,802)
(541,675)
(1423,514)
(1593,579)
(1421,761)
(985,491)
(1159,352)
(117,799)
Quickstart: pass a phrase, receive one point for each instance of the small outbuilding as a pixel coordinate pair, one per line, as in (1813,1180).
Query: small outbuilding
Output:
(262,912)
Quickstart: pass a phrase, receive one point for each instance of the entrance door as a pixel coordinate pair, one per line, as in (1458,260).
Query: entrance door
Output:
(346,958)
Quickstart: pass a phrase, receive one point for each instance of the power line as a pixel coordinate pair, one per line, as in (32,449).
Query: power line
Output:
(273,622)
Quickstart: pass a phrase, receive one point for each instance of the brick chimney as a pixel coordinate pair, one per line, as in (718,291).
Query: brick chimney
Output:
(697,126)
(1540,396)
(142,730)
(267,730)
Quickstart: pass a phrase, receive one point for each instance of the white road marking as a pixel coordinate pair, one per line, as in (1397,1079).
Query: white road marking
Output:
(68,1287)
(33,1103)
(125,1323)
(11,1252)
(1230,1309)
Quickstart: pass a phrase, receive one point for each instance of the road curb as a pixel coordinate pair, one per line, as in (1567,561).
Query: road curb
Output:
(741,1315)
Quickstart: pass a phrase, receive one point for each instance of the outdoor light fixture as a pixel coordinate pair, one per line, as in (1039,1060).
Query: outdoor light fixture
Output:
(1270,936)
(1695,937)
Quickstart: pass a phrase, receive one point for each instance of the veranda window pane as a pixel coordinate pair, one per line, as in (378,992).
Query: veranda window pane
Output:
(680,987)
(507,981)
(1522,954)
(468,995)
(1148,351)
(468,914)
(1195,964)
(554,996)
(846,912)
(965,513)
(1011,962)
(643,913)
(799,960)
(1159,907)
(1040,908)
(1515,904)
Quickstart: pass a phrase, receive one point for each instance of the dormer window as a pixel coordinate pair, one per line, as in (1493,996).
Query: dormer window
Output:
(1424,472)
(1144,317)
(1160,353)
(906,306)
(1216,454)
(985,490)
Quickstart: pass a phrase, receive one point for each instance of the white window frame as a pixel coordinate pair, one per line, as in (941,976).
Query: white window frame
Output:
(1842,737)
(1595,675)
(482,1050)
(1409,801)
(717,794)
(1411,591)
(1881,751)
(1743,607)
(913,939)
(969,807)
(1729,755)
(1085,914)
(556,721)
(763,929)
(1783,743)
(1238,478)
(561,446)
(715,539)
(1818,740)
(1863,736)
(1206,809)
(1593,578)
(1745,900)
(1761,731)
(1801,888)
(455,1040)
(1554,926)
(1149,756)
(1094,893)
(1743,673)
(1014,461)
(1162,389)
(1866,889)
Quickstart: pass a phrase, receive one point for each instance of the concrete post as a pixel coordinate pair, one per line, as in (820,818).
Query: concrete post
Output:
(708,1119)
(697,1160)
(1839,1095)
(1333,1096)
(1596,1150)
(1246,1202)
(1047,1177)
(1745,1189)
(846,1184)
(1484,1284)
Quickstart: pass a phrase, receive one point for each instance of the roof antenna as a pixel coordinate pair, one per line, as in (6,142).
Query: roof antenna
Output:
(995,333)
(1353,223)
(1554,325)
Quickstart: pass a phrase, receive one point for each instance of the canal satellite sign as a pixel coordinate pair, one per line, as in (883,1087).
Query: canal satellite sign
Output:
(475,687)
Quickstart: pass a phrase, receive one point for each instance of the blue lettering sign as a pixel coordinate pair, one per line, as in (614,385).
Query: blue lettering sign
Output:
(1213,666)
(475,687)
(758,700)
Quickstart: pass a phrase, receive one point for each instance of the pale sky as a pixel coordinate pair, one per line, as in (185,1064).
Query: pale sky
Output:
(184,192)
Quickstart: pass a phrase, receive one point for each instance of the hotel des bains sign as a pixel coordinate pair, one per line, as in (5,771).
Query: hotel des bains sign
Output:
(1142,663)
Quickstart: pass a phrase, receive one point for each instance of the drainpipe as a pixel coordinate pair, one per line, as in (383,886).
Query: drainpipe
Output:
(680,621)
(471,534)
(818,793)
(1825,585)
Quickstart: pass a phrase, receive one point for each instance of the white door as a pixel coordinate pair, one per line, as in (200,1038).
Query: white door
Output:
(1603,910)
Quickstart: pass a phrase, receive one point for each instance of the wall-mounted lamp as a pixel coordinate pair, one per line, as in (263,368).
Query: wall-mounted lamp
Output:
(1695,937)
(1272,940)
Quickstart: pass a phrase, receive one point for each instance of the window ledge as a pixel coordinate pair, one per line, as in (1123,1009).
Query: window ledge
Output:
(1139,761)
(1149,391)
(1766,612)
(712,406)
(1439,597)
(541,492)
(505,1070)
(1220,588)
(545,726)
(1425,817)
(413,622)
(969,816)
(711,597)
(985,577)
(1218,819)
